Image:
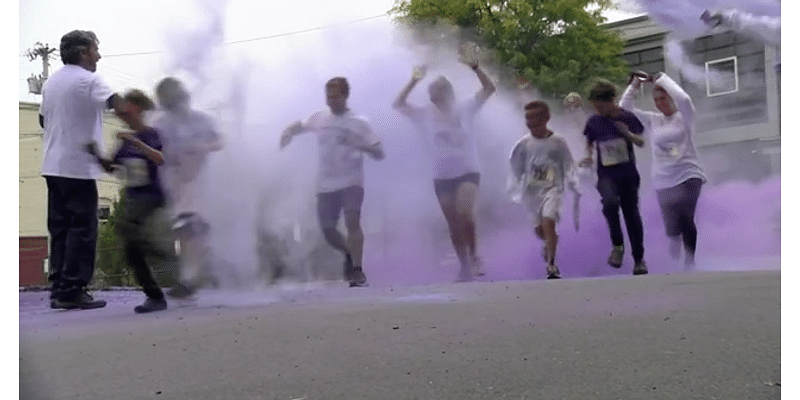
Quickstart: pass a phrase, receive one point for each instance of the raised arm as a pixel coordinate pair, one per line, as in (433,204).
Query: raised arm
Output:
(678,95)
(487,88)
(400,103)
(627,98)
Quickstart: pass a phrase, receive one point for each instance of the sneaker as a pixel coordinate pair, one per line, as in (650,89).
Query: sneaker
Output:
(615,259)
(477,266)
(82,301)
(358,278)
(181,291)
(640,268)
(151,305)
(553,272)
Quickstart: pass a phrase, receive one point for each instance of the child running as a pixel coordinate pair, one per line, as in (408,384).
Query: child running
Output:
(542,165)
(136,163)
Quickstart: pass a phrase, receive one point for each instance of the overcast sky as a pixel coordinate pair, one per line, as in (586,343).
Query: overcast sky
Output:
(141,26)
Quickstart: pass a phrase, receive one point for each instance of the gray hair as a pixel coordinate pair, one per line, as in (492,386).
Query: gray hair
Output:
(74,43)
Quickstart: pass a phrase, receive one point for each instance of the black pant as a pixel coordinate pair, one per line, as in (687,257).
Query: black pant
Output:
(623,192)
(678,205)
(136,243)
(72,223)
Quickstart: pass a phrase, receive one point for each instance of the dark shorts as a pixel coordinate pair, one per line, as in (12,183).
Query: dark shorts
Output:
(449,186)
(331,204)
(678,204)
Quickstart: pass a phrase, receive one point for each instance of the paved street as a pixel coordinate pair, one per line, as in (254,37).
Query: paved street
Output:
(706,335)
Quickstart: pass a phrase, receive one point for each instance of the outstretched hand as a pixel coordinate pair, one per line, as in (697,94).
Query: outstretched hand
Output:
(289,132)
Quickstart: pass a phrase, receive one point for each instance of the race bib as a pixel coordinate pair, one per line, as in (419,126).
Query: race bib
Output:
(135,172)
(613,152)
(541,176)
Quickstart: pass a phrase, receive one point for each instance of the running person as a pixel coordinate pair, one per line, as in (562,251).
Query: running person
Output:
(542,165)
(455,165)
(137,161)
(188,136)
(677,174)
(614,131)
(343,136)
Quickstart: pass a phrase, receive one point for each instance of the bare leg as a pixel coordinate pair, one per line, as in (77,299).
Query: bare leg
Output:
(355,236)
(465,197)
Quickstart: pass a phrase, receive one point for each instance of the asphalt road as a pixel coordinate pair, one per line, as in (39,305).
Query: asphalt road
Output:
(706,335)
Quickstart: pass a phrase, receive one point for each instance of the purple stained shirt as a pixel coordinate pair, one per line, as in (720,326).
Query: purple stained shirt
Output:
(139,174)
(615,156)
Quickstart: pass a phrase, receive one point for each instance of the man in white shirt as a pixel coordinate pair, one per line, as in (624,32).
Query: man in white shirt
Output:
(343,137)
(187,136)
(71,113)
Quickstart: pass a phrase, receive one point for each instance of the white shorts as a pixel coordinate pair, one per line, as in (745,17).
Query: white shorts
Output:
(544,205)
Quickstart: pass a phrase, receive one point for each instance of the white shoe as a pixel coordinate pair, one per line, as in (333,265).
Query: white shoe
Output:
(553,272)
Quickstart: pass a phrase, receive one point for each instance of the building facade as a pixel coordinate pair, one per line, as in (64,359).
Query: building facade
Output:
(735,89)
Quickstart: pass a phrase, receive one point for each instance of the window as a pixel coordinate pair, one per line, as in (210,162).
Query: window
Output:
(722,76)
(103,213)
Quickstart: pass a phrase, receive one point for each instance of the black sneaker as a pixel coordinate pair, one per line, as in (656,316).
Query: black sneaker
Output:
(82,301)
(357,278)
(181,291)
(151,305)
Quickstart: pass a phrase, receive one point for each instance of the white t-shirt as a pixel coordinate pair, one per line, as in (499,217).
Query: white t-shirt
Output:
(73,100)
(674,155)
(452,143)
(185,136)
(341,163)
(542,166)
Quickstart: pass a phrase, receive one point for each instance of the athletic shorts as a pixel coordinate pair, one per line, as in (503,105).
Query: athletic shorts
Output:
(331,204)
(544,205)
(449,186)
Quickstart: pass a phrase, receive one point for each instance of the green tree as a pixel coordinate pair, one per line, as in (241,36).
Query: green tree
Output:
(559,46)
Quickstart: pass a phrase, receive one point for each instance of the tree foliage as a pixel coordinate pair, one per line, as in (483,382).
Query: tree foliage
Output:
(559,46)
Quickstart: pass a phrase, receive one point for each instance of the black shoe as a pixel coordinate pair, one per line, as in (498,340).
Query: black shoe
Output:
(181,291)
(151,305)
(357,278)
(82,301)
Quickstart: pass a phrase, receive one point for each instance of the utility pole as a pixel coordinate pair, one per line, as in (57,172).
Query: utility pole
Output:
(44,52)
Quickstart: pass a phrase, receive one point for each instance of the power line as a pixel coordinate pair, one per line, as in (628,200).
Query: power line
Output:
(262,37)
